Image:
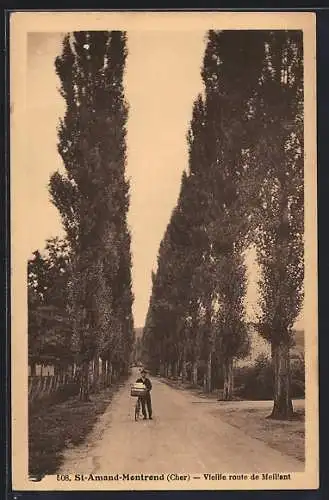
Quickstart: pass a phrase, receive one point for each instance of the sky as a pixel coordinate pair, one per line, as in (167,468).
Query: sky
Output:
(162,79)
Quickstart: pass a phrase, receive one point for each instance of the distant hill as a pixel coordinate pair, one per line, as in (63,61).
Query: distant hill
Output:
(261,346)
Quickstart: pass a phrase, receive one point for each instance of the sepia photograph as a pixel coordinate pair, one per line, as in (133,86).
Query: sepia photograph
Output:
(164,251)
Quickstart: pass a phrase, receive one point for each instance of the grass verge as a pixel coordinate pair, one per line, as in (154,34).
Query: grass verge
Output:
(288,437)
(54,428)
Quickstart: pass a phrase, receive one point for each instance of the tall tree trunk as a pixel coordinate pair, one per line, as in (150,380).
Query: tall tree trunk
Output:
(209,384)
(84,382)
(228,379)
(104,372)
(195,373)
(110,373)
(114,372)
(183,369)
(101,372)
(91,374)
(179,368)
(96,373)
(282,407)
(174,369)
(209,340)
(207,375)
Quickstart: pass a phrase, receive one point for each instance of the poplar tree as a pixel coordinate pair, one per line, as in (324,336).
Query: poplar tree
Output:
(280,237)
(244,185)
(231,71)
(93,196)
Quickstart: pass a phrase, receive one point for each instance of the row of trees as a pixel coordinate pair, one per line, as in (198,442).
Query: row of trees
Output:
(87,277)
(243,187)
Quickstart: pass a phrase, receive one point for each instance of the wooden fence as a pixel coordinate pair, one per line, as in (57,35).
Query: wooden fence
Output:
(68,381)
(40,386)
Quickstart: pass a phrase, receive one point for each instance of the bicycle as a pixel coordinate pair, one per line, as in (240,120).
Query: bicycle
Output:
(137,408)
(137,391)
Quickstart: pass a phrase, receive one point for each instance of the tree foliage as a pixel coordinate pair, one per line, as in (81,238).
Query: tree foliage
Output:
(280,235)
(92,196)
(244,185)
(49,325)
(212,199)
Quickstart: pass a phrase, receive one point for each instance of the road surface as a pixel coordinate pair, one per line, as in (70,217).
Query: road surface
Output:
(185,436)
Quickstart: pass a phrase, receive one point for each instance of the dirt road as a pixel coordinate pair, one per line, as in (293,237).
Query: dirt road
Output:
(185,436)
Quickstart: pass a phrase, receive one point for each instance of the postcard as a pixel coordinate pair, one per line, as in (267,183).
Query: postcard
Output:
(163,251)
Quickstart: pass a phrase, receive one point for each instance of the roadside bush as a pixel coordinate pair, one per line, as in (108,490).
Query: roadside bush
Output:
(298,376)
(256,382)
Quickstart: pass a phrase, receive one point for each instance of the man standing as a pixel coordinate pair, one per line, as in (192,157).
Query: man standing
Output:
(146,400)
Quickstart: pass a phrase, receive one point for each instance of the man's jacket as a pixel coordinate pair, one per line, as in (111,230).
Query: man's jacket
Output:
(146,382)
